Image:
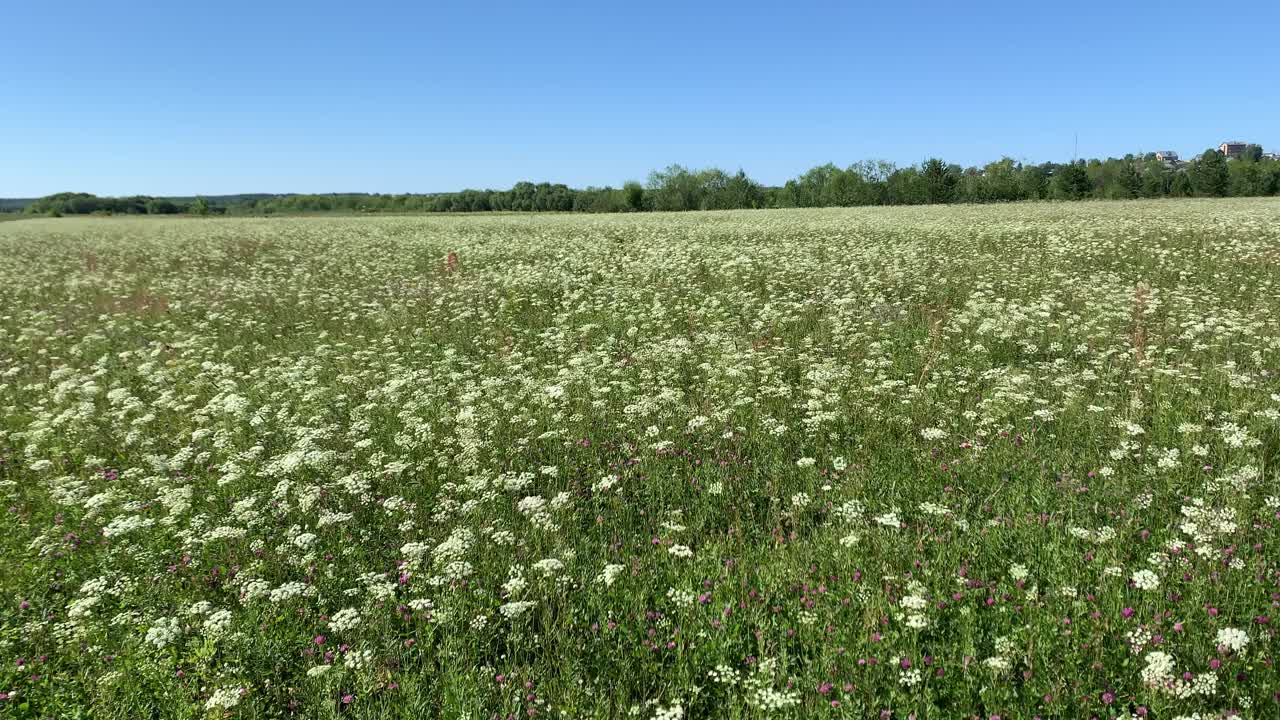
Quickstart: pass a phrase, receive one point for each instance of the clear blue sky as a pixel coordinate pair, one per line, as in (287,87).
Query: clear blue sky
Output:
(288,96)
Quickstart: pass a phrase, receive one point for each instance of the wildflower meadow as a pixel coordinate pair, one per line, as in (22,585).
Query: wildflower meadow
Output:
(1007,461)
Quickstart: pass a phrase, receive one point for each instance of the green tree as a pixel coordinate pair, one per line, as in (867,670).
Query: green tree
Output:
(938,180)
(812,189)
(634,194)
(1155,179)
(1000,181)
(1033,182)
(674,188)
(1130,182)
(160,206)
(1270,183)
(738,191)
(1071,182)
(1248,178)
(200,206)
(847,188)
(1181,185)
(906,186)
(1210,176)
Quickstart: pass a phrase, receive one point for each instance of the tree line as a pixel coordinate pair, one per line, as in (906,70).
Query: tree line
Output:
(678,188)
(72,203)
(77,203)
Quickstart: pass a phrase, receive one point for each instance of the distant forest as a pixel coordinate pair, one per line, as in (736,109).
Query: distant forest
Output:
(677,188)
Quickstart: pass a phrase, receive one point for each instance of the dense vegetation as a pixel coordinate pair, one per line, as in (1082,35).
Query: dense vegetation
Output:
(972,462)
(677,188)
(78,203)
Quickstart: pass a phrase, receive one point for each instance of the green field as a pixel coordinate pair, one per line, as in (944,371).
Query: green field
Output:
(1007,461)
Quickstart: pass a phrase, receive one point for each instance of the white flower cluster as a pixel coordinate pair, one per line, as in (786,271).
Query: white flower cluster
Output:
(915,602)
(850,511)
(548,566)
(1159,674)
(681,598)
(1002,660)
(1233,639)
(357,659)
(760,692)
(1145,580)
(344,620)
(217,622)
(513,610)
(163,633)
(254,590)
(610,574)
(535,508)
(889,519)
(224,698)
(674,712)
(1100,536)
(290,590)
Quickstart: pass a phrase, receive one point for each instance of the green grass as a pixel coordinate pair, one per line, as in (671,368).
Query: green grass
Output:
(838,463)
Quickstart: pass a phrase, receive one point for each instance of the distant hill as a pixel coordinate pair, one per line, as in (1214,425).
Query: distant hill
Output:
(20,204)
(239,200)
(15,204)
(224,199)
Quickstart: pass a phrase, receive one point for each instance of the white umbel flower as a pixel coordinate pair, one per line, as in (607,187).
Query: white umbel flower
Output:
(344,620)
(680,551)
(1233,639)
(1145,580)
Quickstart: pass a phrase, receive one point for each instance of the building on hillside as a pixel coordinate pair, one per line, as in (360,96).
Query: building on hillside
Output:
(1168,157)
(1271,156)
(1232,148)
